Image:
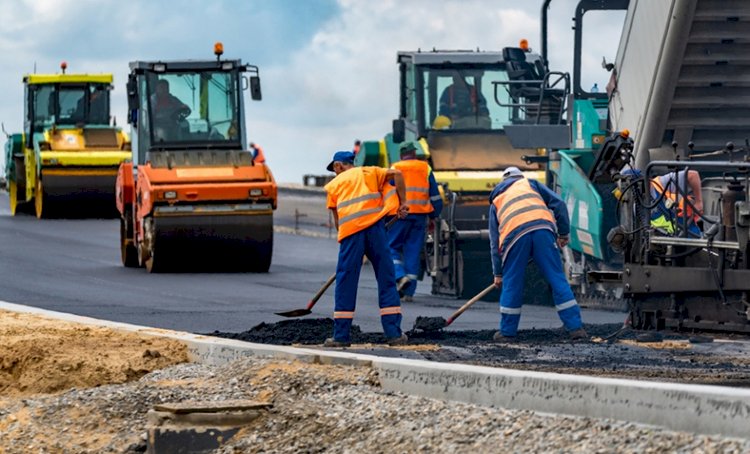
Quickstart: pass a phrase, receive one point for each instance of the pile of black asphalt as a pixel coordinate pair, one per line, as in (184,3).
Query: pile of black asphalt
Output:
(670,358)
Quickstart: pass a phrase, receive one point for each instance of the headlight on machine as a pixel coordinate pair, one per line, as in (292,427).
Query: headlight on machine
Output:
(170,194)
(256,192)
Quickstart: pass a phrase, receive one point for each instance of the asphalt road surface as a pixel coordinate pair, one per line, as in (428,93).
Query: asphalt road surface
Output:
(73,266)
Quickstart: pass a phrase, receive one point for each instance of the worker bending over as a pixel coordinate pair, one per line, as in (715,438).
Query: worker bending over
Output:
(406,237)
(672,213)
(359,198)
(525,219)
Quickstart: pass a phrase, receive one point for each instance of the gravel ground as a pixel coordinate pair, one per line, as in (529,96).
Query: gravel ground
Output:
(317,409)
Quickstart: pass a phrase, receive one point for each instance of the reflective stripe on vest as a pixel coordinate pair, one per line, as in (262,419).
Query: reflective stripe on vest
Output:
(359,201)
(417,181)
(518,205)
(673,197)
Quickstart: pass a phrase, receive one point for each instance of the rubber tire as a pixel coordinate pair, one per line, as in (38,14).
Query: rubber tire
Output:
(128,252)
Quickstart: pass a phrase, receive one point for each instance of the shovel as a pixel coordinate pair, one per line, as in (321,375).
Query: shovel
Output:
(308,310)
(438,323)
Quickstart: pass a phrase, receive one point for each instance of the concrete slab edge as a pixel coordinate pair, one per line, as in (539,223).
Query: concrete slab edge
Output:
(690,408)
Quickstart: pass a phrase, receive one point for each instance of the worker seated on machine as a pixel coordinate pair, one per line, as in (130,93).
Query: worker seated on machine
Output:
(169,114)
(673,212)
(464,106)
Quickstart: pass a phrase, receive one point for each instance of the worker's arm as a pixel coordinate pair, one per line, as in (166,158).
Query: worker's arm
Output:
(497,269)
(435,199)
(560,211)
(694,181)
(396,176)
(335,217)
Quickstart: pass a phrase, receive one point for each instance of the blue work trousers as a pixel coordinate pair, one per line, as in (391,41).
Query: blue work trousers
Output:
(372,242)
(541,246)
(406,239)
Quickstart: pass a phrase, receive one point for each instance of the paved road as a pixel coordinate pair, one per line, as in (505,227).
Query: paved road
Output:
(74,266)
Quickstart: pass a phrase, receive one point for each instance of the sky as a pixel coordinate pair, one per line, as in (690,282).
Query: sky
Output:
(328,67)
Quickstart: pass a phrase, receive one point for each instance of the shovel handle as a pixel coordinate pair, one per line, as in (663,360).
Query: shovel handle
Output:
(321,291)
(469,303)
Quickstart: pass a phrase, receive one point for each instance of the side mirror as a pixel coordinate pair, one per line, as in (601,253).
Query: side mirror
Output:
(132,88)
(255,88)
(399,130)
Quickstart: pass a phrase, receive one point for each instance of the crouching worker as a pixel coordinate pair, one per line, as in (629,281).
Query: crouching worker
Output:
(528,220)
(671,213)
(359,198)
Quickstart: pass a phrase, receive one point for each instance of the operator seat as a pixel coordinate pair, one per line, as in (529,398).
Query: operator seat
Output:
(541,100)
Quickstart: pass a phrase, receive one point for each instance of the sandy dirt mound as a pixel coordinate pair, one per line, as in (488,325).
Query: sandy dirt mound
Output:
(40,355)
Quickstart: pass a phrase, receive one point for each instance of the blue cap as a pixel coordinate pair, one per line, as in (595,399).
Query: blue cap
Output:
(341,156)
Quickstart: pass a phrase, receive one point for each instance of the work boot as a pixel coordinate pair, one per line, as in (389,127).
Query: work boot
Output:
(402,283)
(333,343)
(579,334)
(407,299)
(499,337)
(403,339)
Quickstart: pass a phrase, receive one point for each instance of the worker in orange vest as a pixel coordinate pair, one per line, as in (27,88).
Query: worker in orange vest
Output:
(528,220)
(258,155)
(359,198)
(406,237)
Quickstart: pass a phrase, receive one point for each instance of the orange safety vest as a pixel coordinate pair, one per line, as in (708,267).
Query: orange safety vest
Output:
(519,204)
(416,179)
(672,198)
(259,158)
(361,198)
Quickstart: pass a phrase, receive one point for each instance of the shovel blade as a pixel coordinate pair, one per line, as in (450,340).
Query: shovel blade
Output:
(295,313)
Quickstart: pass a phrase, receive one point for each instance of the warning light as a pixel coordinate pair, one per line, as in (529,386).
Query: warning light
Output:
(218,49)
(63,66)
(524,45)
(625,133)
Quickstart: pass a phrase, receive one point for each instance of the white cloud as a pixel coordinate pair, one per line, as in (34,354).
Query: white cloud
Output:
(339,85)
(344,84)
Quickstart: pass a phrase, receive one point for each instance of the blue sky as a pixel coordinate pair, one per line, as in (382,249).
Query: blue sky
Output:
(327,66)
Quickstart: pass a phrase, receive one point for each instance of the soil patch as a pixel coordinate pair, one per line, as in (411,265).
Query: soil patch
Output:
(40,355)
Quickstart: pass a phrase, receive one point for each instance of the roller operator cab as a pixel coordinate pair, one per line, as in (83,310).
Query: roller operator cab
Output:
(192,195)
(472,114)
(68,150)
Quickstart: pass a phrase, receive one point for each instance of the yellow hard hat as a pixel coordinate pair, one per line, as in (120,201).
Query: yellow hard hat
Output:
(441,122)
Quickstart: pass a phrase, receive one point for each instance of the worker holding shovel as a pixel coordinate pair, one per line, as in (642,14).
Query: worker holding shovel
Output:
(525,218)
(359,198)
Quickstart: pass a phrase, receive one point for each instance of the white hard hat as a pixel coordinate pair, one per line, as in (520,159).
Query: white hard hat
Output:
(512,172)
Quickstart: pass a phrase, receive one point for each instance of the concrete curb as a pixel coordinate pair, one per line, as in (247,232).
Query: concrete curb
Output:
(690,408)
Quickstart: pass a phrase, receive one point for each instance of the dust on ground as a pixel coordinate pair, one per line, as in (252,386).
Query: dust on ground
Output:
(41,355)
(724,362)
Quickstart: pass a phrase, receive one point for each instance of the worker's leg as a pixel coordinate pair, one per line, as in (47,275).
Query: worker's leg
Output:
(376,248)
(396,237)
(351,251)
(547,257)
(412,250)
(511,296)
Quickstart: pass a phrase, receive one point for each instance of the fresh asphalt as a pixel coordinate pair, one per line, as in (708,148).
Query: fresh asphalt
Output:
(73,266)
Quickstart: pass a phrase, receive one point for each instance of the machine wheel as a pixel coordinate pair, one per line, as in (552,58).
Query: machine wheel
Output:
(128,251)
(262,260)
(41,201)
(13,196)
(154,262)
